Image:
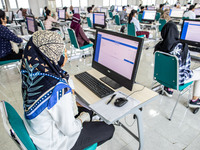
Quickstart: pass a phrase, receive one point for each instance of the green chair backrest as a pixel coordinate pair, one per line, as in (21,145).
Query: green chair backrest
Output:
(92,147)
(166,70)
(162,23)
(183,18)
(89,22)
(140,17)
(117,20)
(42,24)
(17,125)
(73,38)
(157,16)
(131,29)
(111,14)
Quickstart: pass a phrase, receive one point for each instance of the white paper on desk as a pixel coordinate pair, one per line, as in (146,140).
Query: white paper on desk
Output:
(110,112)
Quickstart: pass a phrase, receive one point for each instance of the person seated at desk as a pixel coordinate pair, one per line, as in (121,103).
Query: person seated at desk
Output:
(141,9)
(90,14)
(190,13)
(161,9)
(80,35)
(19,13)
(123,15)
(6,36)
(166,15)
(55,122)
(68,16)
(49,20)
(132,19)
(172,45)
(70,11)
(44,11)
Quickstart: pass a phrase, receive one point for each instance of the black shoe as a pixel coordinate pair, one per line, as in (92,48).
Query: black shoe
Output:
(194,104)
(168,92)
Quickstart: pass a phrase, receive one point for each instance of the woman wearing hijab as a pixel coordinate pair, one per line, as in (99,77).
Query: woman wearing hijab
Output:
(172,45)
(49,106)
(80,35)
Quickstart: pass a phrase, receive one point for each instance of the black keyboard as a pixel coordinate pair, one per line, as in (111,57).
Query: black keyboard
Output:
(94,85)
(195,49)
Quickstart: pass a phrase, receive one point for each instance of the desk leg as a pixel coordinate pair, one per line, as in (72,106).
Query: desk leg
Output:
(140,128)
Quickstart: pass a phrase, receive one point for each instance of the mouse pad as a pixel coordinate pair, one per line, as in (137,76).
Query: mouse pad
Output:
(110,113)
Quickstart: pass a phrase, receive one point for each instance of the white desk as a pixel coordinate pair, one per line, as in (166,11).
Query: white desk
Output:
(145,96)
(152,25)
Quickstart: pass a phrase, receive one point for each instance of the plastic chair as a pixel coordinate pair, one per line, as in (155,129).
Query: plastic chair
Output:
(42,25)
(140,17)
(75,44)
(89,22)
(183,18)
(7,62)
(93,147)
(162,23)
(158,16)
(166,72)
(14,126)
(111,14)
(117,20)
(131,30)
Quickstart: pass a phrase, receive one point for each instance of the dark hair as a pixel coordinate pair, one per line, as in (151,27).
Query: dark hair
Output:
(161,5)
(191,7)
(2,15)
(128,5)
(21,9)
(45,7)
(123,7)
(92,6)
(89,9)
(65,8)
(142,7)
(133,12)
(47,13)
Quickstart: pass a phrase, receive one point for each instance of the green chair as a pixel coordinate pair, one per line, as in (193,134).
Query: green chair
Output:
(93,147)
(166,72)
(158,16)
(140,17)
(14,126)
(75,44)
(117,20)
(183,18)
(162,23)
(89,22)
(131,30)
(111,14)
(42,25)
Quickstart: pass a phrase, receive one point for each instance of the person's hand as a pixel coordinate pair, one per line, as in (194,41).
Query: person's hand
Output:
(90,42)
(84,117)
(65,60)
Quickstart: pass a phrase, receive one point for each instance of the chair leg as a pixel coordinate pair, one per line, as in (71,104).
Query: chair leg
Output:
(175,107)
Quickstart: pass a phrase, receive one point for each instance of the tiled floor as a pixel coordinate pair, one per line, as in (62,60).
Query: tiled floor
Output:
(183,132)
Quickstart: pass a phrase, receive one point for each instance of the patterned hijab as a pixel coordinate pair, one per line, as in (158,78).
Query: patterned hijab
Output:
(43,80)
(75,25)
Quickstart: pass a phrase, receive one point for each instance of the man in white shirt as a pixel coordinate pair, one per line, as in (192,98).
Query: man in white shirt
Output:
(190,13)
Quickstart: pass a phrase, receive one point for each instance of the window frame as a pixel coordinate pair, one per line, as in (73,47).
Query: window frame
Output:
(23,7)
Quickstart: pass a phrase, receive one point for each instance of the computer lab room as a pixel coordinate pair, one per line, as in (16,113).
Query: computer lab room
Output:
(99,74)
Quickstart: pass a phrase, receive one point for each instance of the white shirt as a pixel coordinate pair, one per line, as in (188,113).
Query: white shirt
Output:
(190,14)
(136,23)
(55,129)
(19,14)
(90,15)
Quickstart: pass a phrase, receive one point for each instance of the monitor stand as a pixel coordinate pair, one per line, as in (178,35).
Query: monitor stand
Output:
(110,82)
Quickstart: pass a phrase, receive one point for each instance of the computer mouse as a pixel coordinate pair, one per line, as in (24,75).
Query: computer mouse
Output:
(119,102)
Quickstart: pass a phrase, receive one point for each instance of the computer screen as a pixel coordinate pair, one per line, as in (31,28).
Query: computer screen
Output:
(31,24)
(99,19)
(176,13)
(119,8)
(197,12)
(76,10)
(41,12)
(117,56)
(61,14)
(10,17)
(149,15)
(190,32)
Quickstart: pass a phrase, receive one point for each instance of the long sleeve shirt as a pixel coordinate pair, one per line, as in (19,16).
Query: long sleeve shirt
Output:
(136,23)
(190,14)
(5,37)
(57,128)
(82,38)
(49,21)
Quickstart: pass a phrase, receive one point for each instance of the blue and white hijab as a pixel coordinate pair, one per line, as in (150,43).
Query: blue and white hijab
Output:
(43,80)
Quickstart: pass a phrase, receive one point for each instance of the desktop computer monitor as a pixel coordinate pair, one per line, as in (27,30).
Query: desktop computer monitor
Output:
(31,24)
(149,15)
(190,32)
(10,16)
(119,8)
(197,12)
(105,10)
(99,19)
(176,13)
(61,14)
(117,56)
(76,10)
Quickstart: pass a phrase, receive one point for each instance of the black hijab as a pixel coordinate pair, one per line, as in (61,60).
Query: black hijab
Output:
(170,35)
